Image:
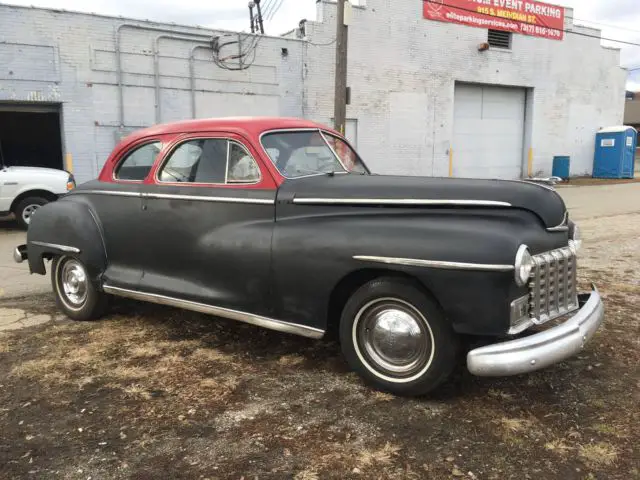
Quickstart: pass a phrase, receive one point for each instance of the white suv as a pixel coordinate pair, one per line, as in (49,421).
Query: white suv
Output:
(25,189)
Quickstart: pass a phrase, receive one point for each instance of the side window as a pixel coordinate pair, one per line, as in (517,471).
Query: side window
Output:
(348,157)
(213,160)
(137,164)
(242,166)
(197,161)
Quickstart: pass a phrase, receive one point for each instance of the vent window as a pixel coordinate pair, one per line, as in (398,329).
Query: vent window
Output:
(499,39)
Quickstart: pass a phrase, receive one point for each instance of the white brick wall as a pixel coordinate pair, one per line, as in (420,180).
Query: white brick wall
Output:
(402,71)
(69,58)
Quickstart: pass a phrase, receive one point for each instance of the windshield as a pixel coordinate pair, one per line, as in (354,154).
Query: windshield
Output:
(304,153)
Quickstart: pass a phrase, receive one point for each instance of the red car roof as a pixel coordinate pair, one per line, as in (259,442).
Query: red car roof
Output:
(249,125)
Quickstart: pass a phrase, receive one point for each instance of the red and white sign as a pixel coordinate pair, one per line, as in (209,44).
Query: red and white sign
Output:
(520,16)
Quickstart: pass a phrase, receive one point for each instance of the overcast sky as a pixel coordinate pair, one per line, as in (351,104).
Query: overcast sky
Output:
(619,19)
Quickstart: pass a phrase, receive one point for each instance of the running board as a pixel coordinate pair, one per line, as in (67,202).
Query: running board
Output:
(244,317)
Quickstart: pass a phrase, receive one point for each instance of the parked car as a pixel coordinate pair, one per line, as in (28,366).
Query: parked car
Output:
(279,223)
(23,190)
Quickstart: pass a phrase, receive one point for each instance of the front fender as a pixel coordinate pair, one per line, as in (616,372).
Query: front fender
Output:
(68,227)
(312,254)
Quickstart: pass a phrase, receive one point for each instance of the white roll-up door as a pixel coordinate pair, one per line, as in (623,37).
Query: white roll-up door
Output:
(488,132)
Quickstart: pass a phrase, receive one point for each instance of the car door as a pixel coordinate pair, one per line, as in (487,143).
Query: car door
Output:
(208,214)
(118,206)
(5,196)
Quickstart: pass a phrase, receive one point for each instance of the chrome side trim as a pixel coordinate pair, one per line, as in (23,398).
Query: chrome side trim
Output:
(244,317)
(413,262)
(167,196)
(62,248)
(252,201)
(563,227)
(114,193)
(399,201)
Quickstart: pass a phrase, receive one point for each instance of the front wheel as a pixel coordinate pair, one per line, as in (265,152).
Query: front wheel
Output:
(397,338)
(76,295)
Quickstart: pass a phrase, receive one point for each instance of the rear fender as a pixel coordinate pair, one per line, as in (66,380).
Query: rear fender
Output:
(66,227)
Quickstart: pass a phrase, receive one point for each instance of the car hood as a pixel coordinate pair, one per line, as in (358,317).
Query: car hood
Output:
(39,171)
(381,190)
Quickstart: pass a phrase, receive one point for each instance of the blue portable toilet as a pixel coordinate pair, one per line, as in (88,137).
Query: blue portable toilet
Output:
(615,152)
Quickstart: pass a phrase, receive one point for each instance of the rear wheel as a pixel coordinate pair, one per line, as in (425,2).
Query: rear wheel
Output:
(26,208)
(76,294)
(397,338)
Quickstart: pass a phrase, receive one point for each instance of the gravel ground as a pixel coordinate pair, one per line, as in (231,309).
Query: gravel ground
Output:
(152,392)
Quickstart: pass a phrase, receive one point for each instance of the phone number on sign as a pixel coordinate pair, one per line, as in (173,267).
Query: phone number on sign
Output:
(537,30)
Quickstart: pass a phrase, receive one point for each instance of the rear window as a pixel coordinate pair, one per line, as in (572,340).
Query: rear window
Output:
(138,163)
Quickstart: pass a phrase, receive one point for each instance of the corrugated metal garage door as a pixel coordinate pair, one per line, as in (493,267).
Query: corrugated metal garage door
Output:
(488,132)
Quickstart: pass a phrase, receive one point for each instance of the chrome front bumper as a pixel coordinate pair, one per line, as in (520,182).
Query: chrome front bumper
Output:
(543,349)
(20,254)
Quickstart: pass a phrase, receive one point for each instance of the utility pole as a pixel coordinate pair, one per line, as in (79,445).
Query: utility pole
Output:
(342,37)
(260,23)
(253,21)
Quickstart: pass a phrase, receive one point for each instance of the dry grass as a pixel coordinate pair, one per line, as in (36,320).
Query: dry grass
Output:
(613,430)
(124,372)
(36,369)
(211,355)
(382,396)
(171,359)
(598,454)
(558,446)
(307,474)
(500,395)
(512,430)
(4,346)
(137,391)
(381,456)
(514,425)
(290,360)
(147,350)
(217,389)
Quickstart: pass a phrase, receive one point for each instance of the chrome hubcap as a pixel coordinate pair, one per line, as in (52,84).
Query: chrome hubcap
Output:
(393,338)
(73,279)
(28,212)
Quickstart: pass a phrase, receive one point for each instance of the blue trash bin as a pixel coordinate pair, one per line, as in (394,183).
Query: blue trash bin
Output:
(561,167)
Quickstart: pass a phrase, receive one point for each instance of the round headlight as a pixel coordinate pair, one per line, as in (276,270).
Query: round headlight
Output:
(524,265)
(575,242)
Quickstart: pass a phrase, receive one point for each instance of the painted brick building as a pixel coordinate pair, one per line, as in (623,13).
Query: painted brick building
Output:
(425,100)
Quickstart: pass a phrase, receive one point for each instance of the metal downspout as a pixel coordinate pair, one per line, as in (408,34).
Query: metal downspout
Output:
(156,68)
(135,26)
(192,74)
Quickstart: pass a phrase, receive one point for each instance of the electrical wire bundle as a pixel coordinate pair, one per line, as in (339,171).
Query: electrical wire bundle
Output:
(238,51)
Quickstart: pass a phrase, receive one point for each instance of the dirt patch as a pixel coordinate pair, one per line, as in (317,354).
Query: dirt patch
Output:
(152,392)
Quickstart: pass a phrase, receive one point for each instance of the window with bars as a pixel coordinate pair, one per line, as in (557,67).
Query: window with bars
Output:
(499,39)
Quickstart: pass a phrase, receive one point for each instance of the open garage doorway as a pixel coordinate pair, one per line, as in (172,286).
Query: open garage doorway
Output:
(31,135)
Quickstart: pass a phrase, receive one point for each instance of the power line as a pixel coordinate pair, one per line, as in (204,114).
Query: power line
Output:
(274,10)
(608,25)
(534,24)
(268,5)
(323,44)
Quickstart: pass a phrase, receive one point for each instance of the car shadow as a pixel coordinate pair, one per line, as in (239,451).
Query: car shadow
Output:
(9,224)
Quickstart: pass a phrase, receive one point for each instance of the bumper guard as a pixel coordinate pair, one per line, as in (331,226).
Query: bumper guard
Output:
(542,349)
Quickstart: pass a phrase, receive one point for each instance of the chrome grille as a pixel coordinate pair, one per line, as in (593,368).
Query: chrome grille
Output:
(552,285)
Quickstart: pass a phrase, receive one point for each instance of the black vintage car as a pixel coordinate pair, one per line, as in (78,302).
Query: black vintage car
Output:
(278,223)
